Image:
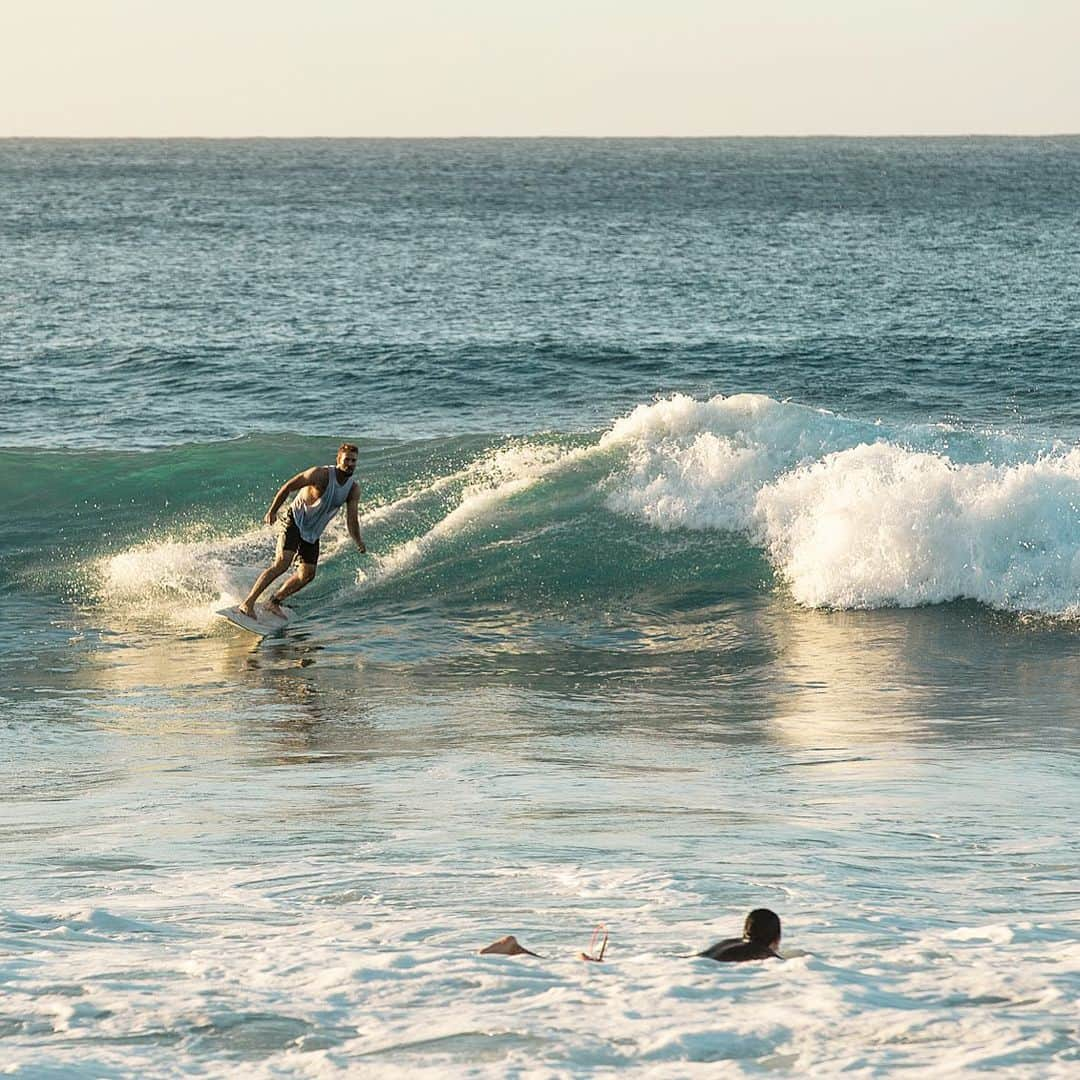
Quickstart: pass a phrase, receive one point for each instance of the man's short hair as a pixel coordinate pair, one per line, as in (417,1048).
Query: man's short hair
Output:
(348,448)
(762,926)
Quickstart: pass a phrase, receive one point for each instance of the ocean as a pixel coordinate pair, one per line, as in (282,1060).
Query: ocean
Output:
(722,500)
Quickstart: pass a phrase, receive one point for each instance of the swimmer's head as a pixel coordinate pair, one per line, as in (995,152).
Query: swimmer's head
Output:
(762,927)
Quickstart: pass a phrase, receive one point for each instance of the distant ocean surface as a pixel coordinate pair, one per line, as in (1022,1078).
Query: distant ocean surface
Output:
(723,507)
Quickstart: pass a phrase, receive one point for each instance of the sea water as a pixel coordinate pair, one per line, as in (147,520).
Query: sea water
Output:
(722,500)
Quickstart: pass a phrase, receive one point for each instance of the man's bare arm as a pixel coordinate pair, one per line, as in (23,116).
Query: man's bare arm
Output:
(352,520)
(297,483)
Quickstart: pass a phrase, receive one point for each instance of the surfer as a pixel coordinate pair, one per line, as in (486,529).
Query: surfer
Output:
(760,940)
(322,491)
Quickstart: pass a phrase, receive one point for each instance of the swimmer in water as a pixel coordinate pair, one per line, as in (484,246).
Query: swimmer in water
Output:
(760,940)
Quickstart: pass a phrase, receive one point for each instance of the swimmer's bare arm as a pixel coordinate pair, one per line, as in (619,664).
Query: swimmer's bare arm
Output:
(313,477)
(352,520)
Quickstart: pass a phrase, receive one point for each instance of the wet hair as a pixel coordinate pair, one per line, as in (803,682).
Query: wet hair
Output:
(348,448)
(762,926)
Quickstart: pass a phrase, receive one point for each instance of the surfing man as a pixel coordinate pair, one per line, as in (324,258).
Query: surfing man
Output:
(322,491)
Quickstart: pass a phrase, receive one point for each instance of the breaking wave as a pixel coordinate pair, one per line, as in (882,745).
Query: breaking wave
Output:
(851,518)
(848,514)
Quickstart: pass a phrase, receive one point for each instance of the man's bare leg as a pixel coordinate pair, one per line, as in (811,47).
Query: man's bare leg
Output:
(271,573)
(304,574)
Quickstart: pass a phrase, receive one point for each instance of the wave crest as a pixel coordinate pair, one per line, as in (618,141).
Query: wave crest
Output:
(849,518)
(851,514)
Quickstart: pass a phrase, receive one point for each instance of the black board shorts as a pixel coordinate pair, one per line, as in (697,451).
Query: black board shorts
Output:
(291,540)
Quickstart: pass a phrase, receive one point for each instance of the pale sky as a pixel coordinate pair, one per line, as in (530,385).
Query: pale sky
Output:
(538,67)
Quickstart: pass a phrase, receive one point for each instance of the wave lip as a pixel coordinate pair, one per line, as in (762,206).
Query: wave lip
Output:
(879,525)
(851,515)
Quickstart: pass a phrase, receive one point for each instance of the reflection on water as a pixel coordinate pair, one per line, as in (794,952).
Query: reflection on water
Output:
(955,674)
(753,715)
(746,672)
(689,719)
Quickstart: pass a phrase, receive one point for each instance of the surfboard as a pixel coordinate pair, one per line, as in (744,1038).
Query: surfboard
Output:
(264,622)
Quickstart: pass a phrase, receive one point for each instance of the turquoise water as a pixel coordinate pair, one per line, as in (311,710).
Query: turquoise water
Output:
(723,506)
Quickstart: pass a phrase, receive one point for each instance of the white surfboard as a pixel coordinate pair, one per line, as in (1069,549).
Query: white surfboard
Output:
(263,623)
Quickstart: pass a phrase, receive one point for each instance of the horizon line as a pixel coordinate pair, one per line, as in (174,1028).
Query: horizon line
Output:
(536,138)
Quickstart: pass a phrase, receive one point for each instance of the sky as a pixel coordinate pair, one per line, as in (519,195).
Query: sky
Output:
(448,68)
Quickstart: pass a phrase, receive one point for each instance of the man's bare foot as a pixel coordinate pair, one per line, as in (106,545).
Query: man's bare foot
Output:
(275,608)
(508,946)
(245,609)
(598,945)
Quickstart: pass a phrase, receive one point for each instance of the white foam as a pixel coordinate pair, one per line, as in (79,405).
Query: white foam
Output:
(880,525)
(848,518)
(320,991)
(177,568)
(179,581)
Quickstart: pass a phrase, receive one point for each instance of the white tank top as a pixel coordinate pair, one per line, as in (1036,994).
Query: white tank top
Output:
(312,520)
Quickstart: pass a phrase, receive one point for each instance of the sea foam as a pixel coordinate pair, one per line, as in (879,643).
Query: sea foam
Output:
(879,525)
(852,515)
